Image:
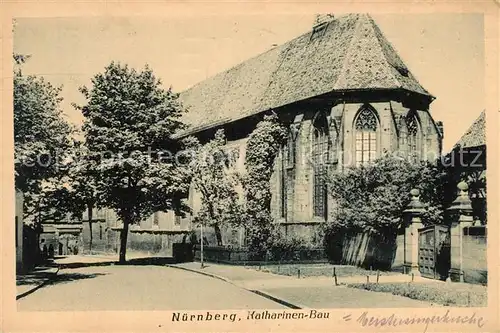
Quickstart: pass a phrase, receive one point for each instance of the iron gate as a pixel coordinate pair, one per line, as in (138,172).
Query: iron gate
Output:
(434,251)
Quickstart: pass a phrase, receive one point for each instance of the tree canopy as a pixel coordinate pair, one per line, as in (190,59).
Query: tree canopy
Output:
(42,136)
(372,197)
(129,121)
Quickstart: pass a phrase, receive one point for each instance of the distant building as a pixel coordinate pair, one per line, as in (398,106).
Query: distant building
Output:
(468,159)
(61,237)
(154,235)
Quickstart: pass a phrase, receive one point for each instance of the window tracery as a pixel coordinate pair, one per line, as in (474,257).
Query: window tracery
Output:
(320,154)
(366,125)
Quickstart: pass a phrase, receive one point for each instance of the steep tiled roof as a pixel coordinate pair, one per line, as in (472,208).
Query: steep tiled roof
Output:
(350,54)
(475,135)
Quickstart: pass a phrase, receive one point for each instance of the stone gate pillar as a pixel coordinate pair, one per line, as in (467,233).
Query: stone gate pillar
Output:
(460,215)
(413,222)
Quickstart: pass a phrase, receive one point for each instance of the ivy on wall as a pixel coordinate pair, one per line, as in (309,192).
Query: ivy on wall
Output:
(263,146)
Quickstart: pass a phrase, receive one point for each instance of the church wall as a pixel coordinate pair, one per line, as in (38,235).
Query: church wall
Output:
(431,138)
(350,111)
(299,179)
(275,183)
(302,202)
(386,127)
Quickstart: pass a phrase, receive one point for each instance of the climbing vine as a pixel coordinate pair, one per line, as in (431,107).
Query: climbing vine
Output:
(216,184)
(263,146)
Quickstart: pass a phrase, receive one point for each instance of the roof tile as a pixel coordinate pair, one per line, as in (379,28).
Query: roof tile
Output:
(351,54)
(475,135)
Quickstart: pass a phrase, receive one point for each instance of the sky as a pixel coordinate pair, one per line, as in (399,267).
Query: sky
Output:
(444,51)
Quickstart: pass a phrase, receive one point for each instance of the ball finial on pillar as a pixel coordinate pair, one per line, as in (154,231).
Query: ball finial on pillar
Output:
(462,186)
(462,204)
(415,206)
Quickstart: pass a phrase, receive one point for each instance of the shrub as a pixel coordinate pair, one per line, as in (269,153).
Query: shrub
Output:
(441,293)
(373,197)
(285,249)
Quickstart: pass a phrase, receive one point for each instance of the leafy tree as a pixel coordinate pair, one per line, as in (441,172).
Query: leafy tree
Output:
(263,146)
(128,127)
(42,137)
(20,59)
(373,197)
(216,181)
(72,192)
(80,187)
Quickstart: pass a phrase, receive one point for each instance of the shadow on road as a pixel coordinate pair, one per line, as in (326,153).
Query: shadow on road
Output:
(34,275)
(33,278)
(70,277)
(72,265)
(153,261)
(156,261)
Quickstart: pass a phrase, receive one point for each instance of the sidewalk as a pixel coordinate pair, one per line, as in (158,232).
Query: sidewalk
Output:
(35,279)
(311,292)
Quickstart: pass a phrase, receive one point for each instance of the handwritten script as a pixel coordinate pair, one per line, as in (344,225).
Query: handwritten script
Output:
(365,319)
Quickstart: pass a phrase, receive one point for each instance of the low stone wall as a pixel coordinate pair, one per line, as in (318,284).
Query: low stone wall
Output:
(153,242)
(148,242)
(241,256)
(474,251)
(221,254)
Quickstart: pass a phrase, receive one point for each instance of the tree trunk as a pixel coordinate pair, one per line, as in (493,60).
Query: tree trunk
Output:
(218,234)
(89,210)
(123,240)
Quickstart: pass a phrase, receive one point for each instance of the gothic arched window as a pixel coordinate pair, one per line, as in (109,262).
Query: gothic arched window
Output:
(320,151)
(413,137)
(366,136)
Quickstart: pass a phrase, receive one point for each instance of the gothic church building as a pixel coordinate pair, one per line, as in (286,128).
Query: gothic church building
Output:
(345,96)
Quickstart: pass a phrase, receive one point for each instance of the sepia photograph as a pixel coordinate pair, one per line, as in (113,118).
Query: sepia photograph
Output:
(277,165)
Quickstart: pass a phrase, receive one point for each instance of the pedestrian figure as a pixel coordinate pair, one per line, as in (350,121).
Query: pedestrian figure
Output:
(44,252)
(42,243)
(51,251)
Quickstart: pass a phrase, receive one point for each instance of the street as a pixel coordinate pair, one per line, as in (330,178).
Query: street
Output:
(116,288)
